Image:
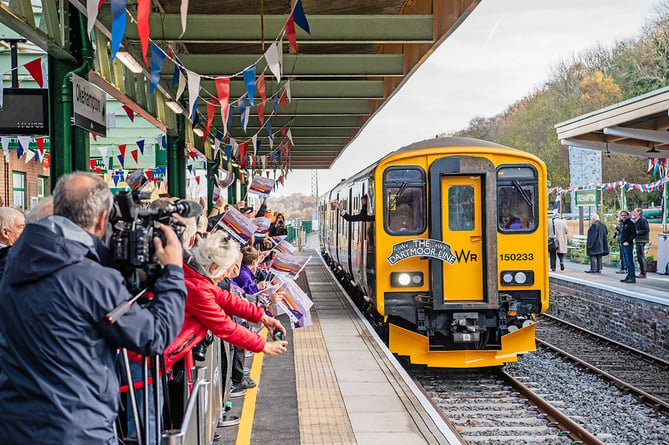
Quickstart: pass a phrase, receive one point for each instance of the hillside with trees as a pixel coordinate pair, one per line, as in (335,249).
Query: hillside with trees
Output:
(596,78)
(296,205)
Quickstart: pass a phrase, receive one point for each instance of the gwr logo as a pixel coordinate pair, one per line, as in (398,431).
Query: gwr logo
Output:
(469,256)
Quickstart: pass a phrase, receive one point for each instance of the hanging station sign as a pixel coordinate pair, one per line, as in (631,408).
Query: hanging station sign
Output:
(90,106)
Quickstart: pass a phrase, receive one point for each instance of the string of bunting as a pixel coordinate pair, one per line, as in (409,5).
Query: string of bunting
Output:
(183,77)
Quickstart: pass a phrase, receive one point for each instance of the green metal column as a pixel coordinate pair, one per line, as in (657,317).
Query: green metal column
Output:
(212,167)
(176,161)
(69,146)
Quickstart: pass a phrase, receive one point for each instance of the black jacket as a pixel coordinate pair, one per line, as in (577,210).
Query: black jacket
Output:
(361,216)
(642,230)
(57,378)
(627,232)
(597,243)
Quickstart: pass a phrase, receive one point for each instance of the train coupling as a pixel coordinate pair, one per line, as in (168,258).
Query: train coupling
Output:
(465,327)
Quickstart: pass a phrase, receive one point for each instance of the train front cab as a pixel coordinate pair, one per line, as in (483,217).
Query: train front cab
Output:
(476,305)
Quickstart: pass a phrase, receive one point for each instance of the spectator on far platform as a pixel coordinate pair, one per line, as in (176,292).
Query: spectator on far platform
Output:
(627,236)
(597,244)
(642,238)
(557,229)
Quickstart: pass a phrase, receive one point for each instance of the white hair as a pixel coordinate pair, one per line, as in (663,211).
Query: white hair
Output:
(217,249)
(594,217)
(8,217)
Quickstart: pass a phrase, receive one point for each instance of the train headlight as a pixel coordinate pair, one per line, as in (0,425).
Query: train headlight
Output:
(406,279)
(517,277)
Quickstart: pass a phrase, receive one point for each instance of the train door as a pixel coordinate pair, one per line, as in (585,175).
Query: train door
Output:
(462,189)
(462,229)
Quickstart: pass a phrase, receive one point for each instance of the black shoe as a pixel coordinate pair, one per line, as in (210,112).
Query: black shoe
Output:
(552,269)
(621,271)
(248,383)
(561,266)
(237,390)
(598,271)
(628,280)
(590,271)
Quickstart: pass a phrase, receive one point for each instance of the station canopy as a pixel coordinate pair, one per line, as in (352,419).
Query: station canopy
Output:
(638,127)
(358,53)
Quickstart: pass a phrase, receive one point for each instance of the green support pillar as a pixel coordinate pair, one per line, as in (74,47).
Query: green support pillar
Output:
(212,167)
(176,161)
(69,146)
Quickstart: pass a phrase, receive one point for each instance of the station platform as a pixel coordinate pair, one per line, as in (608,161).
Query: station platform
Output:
(654,288)
(337,384)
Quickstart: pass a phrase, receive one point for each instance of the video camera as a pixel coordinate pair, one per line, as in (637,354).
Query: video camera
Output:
(132,231)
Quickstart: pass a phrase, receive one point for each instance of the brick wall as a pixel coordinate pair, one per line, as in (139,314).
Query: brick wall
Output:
(32,169)
(638,323)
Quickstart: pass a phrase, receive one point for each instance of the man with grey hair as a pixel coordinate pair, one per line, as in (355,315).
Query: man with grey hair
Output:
(43,209)
(597,243)
(12,223)
(57,348)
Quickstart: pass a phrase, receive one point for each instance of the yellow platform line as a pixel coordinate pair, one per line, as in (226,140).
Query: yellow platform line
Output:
(249,407)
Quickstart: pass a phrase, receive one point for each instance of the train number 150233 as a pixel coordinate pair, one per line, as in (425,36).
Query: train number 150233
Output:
(516,256)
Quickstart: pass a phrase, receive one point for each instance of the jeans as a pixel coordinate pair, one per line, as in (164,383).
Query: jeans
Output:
(596,263)
(641,257)
(622,257)
(552,255)
(136,372)
(627,256)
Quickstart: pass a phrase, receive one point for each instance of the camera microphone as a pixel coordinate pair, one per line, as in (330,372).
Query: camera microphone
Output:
(187,209)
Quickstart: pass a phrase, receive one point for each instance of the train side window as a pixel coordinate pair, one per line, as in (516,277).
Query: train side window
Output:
(404,201)
(461,209)
(516,199)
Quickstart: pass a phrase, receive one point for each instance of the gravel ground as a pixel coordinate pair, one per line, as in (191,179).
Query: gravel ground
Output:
(602,409)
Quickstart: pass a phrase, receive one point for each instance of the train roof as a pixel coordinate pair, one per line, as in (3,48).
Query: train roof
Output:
(427,143)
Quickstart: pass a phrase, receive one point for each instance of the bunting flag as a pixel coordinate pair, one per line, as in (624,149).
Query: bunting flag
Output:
(157,60)
(149,174)
(261,92)
(196,113)
(193,91)
(121,159)
(272,58)
(290,137)
(92,163)
(228,152)
(211,112)
(176,73)
(91,13)
(34,67)
(118,25)
(184,14)
(268,126)
(121,148)
(182,85)
(140,144)
(242,153)
(254,143)
(47,161)
(231,113)
(244,111)
(286,88)
(290,32)
(250,82)
(5,144)
(223,90)
(129,111)
(283,101)
(283,150)
(103,153)
(134,155)
(217,143)
(143,11)
(24,143)
(30,155)
(115,178)
(40,146)
(257,145)
(299,17)
(95,137)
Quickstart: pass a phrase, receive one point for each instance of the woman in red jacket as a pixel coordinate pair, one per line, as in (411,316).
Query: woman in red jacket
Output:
(208,307)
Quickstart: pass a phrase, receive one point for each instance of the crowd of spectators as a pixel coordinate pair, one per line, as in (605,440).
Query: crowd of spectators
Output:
(60,360)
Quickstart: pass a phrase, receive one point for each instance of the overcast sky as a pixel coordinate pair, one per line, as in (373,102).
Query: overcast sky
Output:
(499,54)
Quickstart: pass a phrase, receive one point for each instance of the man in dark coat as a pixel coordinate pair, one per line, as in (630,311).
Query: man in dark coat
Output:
(642,238)
(597,244)
(57,355)
(360,216)
(627,236)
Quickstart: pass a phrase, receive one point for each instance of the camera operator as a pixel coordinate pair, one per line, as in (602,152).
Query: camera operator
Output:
(57,355)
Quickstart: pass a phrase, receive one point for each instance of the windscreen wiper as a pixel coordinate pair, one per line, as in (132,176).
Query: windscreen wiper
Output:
(522,193)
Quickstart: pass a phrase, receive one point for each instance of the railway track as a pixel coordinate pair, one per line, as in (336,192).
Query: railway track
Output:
(631,370)
(492,407)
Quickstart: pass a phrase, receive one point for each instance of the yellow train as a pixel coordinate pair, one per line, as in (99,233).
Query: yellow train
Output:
(451,260)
